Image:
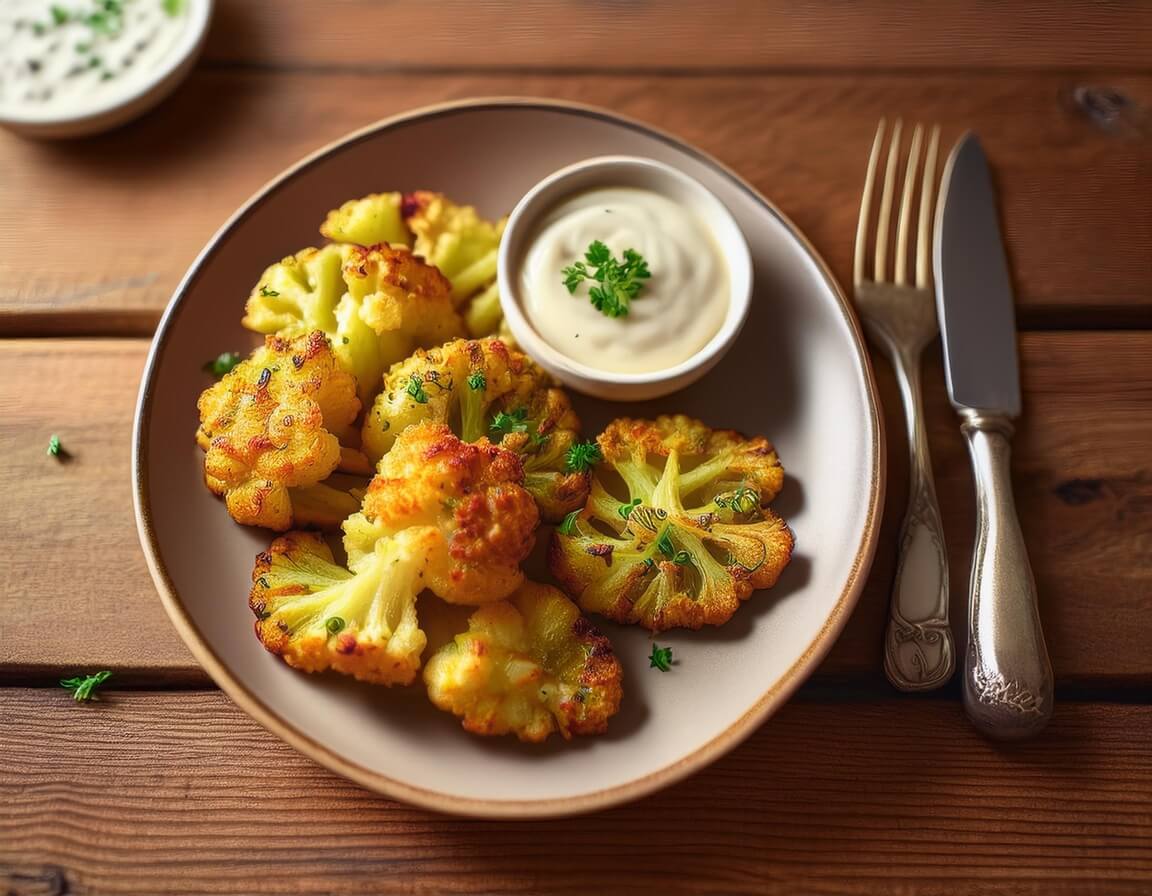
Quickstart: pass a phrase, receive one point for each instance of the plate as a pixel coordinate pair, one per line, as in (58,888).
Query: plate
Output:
(799,374)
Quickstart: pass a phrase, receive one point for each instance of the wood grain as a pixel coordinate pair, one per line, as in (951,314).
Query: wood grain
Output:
(95,235)
(74,591)
(690,34)
(181,793)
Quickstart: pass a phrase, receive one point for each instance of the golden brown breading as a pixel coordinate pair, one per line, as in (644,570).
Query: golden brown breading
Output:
(271,424)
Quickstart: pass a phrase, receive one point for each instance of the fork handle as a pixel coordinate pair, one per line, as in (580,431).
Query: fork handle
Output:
(918,648)
(1007,675)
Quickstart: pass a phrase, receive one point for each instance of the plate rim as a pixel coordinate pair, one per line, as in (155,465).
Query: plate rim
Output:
(769,701)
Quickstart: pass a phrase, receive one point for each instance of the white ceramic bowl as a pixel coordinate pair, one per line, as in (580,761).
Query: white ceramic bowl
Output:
(643,173)
(136,98)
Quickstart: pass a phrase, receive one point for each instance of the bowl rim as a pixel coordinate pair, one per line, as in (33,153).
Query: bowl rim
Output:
(200,17)
(738,257)
(772,698)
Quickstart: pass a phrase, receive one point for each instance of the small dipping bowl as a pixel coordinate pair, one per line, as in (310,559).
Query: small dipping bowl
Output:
(120,106)
(647,174)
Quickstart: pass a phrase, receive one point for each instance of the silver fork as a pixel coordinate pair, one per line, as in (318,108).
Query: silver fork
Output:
(900,318)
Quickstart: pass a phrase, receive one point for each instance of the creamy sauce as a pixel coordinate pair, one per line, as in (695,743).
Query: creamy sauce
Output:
(69,57)
(675,314)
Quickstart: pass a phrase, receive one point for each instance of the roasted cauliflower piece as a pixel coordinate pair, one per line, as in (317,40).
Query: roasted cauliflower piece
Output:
(483,389)
(528,666)
(676,532)
(318,615)
(369,221)
(469,495)
(376,304)
(270,431)
(455,239)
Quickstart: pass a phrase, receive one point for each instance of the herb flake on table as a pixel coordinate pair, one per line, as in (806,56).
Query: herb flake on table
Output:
(83,687)
(54,448)
(615,283)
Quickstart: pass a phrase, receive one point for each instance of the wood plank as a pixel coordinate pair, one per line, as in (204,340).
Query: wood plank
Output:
(694,34)
(95,235)
(1082,478)
(165,793)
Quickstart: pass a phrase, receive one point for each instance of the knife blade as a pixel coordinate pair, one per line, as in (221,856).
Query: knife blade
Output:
(1007,682)
(974,293)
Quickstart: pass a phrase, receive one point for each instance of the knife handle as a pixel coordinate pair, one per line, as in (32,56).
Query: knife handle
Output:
(1007,675)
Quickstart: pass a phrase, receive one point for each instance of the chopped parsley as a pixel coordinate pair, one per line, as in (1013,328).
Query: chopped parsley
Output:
(415,388)
(270,293)
(83,686)
(660,658)
(582,456)
(222,364)
(54,449)
(334,624)
(568,524)
(477,381)
(625,510)
(664,546)
(516,421)
(173,7)
(616,283)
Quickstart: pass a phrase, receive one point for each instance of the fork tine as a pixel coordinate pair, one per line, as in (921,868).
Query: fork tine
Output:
(927,201)
(866,206)
(901,273)
(886,205)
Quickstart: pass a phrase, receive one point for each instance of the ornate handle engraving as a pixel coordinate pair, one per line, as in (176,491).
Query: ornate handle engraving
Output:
(1007,675)
(918,651)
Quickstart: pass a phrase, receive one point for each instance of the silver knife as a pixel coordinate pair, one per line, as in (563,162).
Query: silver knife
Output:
(1007,675)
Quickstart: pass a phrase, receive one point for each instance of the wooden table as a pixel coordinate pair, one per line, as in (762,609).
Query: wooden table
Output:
(165,787)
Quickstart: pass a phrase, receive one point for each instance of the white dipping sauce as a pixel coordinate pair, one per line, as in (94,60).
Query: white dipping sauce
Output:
(676,313)
(68,57)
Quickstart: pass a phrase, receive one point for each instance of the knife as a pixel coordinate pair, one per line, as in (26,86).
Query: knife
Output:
(1007,676)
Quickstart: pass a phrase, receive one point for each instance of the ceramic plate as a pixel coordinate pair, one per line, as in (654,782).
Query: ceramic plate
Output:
(798,374)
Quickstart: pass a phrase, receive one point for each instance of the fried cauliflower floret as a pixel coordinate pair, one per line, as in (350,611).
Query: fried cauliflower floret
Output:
(528,666)
(481,388)
(470,495)
(270,431)
(369,221)
(455,239)
(376,304)
(676,531)
(317,615)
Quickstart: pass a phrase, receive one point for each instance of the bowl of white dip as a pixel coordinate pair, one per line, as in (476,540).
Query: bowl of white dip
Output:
(69,68)
(624,277)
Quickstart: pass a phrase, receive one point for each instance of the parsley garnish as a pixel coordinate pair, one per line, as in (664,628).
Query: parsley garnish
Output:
(334,624)
(222,364)
(82,686)
(271,293)
(54,448)
(582,456)
(173,7)
(539,440)
(664,546)
(477,381)
(415,388)
(506,423)
(625,510)
(60,15)
(568,524)
(617,282)
(660,658)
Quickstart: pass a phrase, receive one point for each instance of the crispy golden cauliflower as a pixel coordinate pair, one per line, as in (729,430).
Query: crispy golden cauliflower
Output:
(481,388)
(369,221)
(455,239)
(270,431)
(528,666)
(318,615)
(676,532)
(469,495)
(376,304)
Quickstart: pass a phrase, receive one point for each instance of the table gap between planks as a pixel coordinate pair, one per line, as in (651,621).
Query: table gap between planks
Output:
(165,787)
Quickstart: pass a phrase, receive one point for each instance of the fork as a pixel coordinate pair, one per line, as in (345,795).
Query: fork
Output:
(900,318)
